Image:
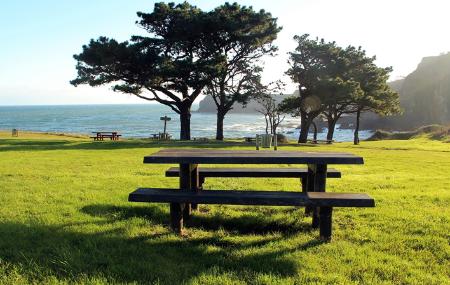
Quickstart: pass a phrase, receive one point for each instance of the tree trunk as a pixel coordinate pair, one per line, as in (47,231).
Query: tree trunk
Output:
(267,124)
(185,122)
(315,130)
(271,124)
(304,128)
(219,129)
(356,136)
(331,126)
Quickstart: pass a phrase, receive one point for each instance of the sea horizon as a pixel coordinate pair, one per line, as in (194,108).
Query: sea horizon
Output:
(142,120)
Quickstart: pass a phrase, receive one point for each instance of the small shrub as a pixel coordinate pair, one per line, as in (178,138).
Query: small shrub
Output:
(380,135)
(282,138)
(436,132)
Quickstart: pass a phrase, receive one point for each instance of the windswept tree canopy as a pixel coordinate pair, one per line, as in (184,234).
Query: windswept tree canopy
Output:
(171,66)
(318,67)
(338,81)
(377,96)
(321,69)
(241,36)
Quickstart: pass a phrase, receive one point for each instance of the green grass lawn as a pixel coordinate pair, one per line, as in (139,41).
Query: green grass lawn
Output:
(64,218)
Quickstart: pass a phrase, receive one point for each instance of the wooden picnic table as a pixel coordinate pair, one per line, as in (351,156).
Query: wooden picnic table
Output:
(249,139)
(161,136)
(99,136)
(189,159)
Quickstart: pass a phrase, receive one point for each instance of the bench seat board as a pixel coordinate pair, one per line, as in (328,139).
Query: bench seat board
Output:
(268,198)
(253,172)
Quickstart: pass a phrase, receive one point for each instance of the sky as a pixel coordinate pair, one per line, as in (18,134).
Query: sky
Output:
(38,39)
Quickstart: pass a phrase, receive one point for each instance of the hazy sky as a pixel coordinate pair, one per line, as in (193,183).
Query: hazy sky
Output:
(38,38)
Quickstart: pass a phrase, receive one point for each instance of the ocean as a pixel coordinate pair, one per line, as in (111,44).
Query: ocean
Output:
(139,121)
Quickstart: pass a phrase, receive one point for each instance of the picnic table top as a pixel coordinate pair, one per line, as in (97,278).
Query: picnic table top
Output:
(214,156)
(104,132)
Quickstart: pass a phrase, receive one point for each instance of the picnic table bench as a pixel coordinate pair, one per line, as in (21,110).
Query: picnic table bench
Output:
(283,172)
(190,192)
(114,136)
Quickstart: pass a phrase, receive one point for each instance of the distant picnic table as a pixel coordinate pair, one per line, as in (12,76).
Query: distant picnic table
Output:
(191,177)
(315,141)
(99,136)
(161,136)
(250,139)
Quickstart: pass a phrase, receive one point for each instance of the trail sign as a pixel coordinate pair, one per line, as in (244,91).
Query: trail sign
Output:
(165,119)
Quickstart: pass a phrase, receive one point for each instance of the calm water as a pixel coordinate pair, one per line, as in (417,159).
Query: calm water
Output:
(139,121)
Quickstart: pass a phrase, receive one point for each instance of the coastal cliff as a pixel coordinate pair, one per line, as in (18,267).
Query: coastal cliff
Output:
(207,105)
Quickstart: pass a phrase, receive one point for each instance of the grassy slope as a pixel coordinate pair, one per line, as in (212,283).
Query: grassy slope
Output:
(64,217)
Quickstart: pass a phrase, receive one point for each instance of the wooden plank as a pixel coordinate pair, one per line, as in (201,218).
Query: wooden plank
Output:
(176,217)
(253,172)
(325,223)
(214,156)
(188,182)
(269,198)
(309,187)
(326,199)
(320,177)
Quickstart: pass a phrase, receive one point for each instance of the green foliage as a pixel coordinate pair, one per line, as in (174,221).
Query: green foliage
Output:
(65,219)
(376,95)
(187,50)
(240,36)
(342,80)
(170,62)
(321,70)
(171,66)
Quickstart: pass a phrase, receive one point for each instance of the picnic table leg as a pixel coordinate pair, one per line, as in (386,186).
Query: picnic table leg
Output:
(325,222)
(319,182)
(195,182)
(308,186)
(176,217)
(201,180)
(181,211)
(188,182)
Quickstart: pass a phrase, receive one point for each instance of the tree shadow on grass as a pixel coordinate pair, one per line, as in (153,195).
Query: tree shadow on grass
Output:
(244,224)
(40,251)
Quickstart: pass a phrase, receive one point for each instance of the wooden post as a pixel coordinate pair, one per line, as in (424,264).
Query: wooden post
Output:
(188,182)
(176,217)
(308,186)
(320,177)
(165,119)
(325,222)
(201,181)
(195,182)
(257,142)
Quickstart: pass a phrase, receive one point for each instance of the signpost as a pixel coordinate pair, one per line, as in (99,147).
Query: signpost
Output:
(165,119)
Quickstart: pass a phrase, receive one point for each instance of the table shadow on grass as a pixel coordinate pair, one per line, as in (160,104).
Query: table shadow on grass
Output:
(40,251)
(244,224)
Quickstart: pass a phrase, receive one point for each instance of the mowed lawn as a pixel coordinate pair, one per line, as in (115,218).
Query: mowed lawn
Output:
(64,218)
